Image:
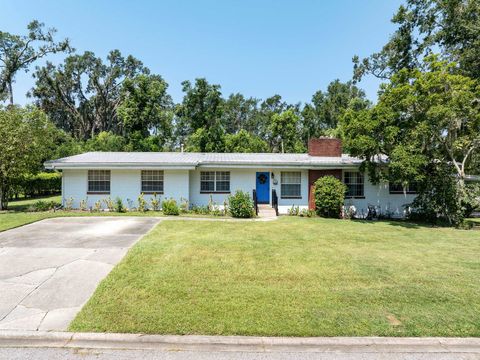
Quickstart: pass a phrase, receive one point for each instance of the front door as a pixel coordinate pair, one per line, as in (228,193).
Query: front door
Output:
(263,187)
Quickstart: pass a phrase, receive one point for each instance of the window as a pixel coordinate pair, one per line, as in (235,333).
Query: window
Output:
(399,189)
(152,181)
(99,181)
(291,184)
(354,182)
(215,181)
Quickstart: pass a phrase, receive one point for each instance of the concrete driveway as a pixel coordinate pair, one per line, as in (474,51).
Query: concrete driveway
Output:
(49,269)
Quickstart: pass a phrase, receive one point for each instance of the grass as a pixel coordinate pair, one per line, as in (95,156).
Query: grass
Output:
(16,215)
(293,277)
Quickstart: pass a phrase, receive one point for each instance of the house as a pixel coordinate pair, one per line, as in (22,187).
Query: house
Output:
(203,177)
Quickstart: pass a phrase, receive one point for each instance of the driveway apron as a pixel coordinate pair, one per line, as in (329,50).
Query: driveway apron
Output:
(49,269)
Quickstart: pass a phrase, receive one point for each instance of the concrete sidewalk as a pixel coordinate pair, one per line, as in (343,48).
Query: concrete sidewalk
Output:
(197,343)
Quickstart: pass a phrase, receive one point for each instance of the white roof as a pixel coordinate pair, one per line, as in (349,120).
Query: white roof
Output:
(190,160)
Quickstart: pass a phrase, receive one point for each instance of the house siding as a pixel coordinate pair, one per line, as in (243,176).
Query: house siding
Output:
(185,184)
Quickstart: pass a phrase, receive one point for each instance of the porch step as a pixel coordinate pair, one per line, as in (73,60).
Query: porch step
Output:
(266,211)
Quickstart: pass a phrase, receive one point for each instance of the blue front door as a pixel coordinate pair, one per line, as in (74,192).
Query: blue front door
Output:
(263,187)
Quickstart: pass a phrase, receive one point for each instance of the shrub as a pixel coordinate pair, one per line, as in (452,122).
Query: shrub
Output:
(109,204)
(329,196)
(119,207)
(294,210)
(170,207)
(83,204)
(142,203)
(241,205)
(68,204)
(97,206)
(155,201)
(41,205)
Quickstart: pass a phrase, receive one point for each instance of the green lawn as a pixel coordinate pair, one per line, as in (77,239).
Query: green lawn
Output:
(24,204)
(293,277)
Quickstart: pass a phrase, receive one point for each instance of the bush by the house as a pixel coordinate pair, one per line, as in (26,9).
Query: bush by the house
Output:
(41,205)
(329,196)
(170,207)
(119,207)
(241,205)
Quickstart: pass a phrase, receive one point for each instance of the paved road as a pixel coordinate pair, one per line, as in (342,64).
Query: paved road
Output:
(50,268)
(102,354)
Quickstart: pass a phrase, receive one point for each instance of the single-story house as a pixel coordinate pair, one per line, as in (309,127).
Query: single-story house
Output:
(202,177)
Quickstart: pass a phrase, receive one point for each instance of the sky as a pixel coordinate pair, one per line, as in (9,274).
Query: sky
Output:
(256,47)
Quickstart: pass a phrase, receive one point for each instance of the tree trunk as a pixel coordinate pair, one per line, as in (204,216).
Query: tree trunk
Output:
(10,92)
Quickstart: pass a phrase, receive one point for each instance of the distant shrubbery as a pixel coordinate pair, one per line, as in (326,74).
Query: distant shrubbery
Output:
(40,184)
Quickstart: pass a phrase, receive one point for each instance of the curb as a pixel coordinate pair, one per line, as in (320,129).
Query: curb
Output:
(43,339)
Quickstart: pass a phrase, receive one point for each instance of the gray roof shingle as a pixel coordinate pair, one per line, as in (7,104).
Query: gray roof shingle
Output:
(125,159)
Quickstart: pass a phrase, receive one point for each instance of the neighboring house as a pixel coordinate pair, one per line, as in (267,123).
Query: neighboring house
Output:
(202,177)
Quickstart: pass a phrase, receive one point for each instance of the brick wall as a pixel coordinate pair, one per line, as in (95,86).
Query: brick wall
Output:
(325,147)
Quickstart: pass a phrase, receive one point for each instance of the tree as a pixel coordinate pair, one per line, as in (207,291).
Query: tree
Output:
(450,27)
(199,116)
(244,142)
(106,141)
(285,132)
(19,52)
(26,135)
(146,108)
(327,108)
(239,113)
(82,95)
(424,122)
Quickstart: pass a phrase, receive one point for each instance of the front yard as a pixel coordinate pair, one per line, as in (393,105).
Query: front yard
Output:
(293,277)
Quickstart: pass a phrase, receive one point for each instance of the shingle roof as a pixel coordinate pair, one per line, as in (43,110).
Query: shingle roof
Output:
(190,159)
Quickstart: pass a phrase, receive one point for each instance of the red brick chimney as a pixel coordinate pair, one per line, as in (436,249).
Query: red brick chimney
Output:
(325,146)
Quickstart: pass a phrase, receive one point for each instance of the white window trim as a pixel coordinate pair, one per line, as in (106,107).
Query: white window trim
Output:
(215,191)
(282,196)
(162,173)
(363,184)
(99,192)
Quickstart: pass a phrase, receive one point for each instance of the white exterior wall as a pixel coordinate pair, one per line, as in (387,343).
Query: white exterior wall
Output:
(245,180)
(185,184)
(379,196)
(125,184)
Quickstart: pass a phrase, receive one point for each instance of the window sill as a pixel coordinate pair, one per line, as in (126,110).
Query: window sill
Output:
(152,192)
(402,193)
(290,197)
(354,197)
(98,193)
(214,192)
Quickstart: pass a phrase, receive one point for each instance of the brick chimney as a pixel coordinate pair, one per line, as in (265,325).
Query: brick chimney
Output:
(325,146)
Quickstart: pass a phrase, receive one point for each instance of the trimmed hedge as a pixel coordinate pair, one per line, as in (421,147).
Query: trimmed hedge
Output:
(241,205)
(40,184)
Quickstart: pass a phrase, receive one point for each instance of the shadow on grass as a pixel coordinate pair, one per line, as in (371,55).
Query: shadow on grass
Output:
(408,224)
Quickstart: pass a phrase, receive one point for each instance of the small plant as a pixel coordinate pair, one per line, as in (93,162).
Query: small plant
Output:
(83,204)
(97,206)
(294,210)
(155,202)
(68,204)
(184,205)
(329,196)
(119,207)
(41,205)
(306,213)
(199,210)
(350,212)
(142,203)
(170,207)
(241,205)
(109,204)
